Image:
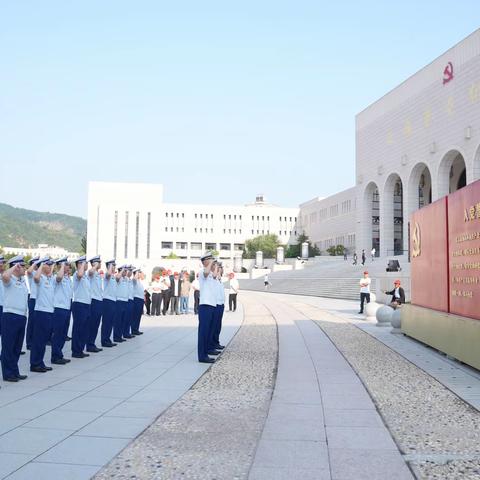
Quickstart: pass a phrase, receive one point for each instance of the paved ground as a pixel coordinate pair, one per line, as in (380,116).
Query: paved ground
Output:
(70,422)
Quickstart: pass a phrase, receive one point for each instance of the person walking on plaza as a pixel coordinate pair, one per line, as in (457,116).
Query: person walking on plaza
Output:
(196,294)
(138,301)
(364,290)
(156,296)
(165,291)
(96,311)
(109,303)
(233,292)
(82,299)
(33,265)
(345,255)
(266,282)
(372,253)
(398,295)
(206,308)
(13,318)
(175,292)
(364,257)
(121,305)
(44,309)
(355,258)
(62,302)
(185,293)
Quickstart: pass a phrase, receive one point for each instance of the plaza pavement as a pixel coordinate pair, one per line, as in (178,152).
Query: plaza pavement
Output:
(71,421)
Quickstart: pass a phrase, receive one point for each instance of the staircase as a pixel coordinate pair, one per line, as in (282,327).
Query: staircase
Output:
(331,278)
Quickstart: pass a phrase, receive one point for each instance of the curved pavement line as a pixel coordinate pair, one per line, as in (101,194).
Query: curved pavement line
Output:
(322,423)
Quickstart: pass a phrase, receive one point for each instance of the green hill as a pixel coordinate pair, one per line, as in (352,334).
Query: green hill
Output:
(27,228)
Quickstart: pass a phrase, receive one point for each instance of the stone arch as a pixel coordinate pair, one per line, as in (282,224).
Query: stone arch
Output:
(393,216)
(451,173)
(371,218)
(476,165)
(419,187)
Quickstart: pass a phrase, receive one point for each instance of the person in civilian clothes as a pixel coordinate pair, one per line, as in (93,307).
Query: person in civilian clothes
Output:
(82,300)
(147,297)
(129,316)
(63,309)
(122,303)
(109,303)
(165,291)
(44,308)
(185,293)
(2,268)
(33,265)
(14,318)
(364,290)
(156,289)
(196,294)
(138,301)
(232,296)
(175,291)
(215,347)
(96,308)
(206,308)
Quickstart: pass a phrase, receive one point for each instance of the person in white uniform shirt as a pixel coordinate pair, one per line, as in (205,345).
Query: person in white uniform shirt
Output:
(215,346)
(364,290)
(33,265)
(138,300)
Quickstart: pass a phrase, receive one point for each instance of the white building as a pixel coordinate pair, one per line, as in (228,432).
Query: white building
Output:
(42,250)
(414,145)
(130,222)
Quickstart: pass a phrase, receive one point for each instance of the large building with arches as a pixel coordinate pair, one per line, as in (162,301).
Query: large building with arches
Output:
(415,144)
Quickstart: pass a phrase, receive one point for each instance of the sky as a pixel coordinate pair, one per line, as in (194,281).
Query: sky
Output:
(216,100)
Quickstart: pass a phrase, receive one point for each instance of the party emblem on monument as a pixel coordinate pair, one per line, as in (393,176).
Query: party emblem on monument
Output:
(416,241)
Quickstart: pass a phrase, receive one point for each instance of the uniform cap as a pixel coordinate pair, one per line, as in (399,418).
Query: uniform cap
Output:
(136,270)
(206,256)
(33,260)
(83,258)
(110,262)
(16,260)
(61,260)
(94,259)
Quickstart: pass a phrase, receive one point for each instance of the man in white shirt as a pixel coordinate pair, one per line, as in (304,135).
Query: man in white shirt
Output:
(208,304)
(232,294)
(364,290)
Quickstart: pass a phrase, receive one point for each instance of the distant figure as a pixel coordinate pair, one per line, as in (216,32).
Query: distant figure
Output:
(148,301)
(364,257)
(232,296)
(364,290)
(266,283)
(398,295)
(355,258)
(372,253)
(345,257)
(196,294)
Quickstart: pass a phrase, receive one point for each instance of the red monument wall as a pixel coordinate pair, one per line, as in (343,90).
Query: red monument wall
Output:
(464,250)
(428,254)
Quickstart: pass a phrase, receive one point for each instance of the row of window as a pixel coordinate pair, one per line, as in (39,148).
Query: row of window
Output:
(230,217)
(325,213)
(137,232)
(199,246)
(340,240)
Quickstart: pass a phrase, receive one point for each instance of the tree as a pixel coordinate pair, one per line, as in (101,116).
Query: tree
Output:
(172,256)
(295,250)
(266,243)
(83,244)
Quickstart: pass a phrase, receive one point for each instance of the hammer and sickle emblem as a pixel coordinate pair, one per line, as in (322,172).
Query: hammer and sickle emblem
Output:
(448,73)
(416,241)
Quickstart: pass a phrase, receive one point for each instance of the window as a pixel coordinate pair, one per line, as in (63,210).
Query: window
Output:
(126,235)
(195,230)
(239,217)
(166,214)
(166,229)
(149,217)
(167,244)
(171,214)
(211,215)
(183,215)
(181,245)
(171,229)
(280,232)
(211,230)
(178,215)
(225,246)
(115,231)
(201,215)
(137,228)
(229,230)
(224,230)
(196,245)
(238,246)
(210,246)
(195,215)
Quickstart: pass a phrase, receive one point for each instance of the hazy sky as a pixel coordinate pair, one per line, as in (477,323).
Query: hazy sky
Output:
(243,97)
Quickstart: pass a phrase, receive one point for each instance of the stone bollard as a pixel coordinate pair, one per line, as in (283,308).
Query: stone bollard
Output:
(371,310)
(384,315)
(396,320)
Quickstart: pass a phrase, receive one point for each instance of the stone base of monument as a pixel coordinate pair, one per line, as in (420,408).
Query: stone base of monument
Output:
(371,310)
(384,316)
(454,335)
(396,321)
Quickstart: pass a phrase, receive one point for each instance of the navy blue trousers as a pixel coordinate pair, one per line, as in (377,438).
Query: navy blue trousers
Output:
(127,322)
(96,312)
(120,314)
(217,326)
(109,308)
(13,333)
(81,315)
(205,322)
(30,322)
(42,333)
(137,313)
(61,322)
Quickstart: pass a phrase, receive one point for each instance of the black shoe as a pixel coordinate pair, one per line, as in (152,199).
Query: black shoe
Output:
(22,377)
(38,369)
(108,345)
(22,353)
(48,369)
(80,355)
(66,360)
(60,361)
(95,350)
(207,360)
(138,332)
(118,340)
(128,336)
(67,338)
(10,379)
(219,347)
(360,312)
(214,352)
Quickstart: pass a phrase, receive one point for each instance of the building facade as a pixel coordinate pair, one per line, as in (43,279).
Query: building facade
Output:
(417,143)
(130,222)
